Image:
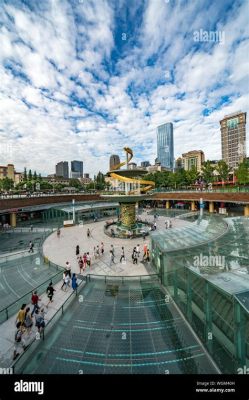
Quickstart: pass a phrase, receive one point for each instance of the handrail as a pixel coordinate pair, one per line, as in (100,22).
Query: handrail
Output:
(48,323)
(121,277)
(220,190)
(31,291)
(53,277)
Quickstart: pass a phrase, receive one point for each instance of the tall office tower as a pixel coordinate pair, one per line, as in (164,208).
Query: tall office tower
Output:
(61,169)
(193,159)
(76,169)
(114,160)
(233,138)
(165,145)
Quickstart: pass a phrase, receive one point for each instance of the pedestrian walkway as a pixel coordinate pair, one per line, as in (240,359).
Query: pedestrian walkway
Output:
(8,328)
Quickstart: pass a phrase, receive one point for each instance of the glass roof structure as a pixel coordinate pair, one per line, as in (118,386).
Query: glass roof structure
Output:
(88,206)
(120,328)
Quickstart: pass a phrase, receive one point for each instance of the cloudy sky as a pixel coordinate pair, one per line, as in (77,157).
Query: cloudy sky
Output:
(80,79)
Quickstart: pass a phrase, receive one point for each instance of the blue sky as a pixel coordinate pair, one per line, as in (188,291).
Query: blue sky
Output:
(81,79)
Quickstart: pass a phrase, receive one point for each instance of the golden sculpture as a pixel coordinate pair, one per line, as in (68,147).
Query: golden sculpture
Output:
(119,177)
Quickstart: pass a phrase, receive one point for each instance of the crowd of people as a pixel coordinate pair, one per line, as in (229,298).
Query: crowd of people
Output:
(26,319)
(86,260)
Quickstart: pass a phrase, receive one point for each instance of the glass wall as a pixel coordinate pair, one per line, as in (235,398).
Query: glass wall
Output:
(206,293)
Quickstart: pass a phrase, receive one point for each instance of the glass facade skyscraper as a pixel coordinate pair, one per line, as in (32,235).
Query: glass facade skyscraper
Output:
(165,145)
(76,169)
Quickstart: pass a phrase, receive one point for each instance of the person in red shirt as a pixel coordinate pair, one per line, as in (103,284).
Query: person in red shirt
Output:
(34,301)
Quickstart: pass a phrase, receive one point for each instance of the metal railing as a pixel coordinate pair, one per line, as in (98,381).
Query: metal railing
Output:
(122,279)
(216,190)
(19,363)
(11,309)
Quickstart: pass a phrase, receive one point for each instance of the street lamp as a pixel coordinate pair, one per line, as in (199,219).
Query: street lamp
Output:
(73,204)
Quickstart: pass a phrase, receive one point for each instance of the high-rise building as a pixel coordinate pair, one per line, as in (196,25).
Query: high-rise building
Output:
(165,145)
(179,163)
(76,169)
(61,169)
(233,138)
(114,160)
(145,164)
(193,159)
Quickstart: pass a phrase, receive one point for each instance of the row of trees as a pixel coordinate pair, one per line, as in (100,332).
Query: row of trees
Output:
(182,178)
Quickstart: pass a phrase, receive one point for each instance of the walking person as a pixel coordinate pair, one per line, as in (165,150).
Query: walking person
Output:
(64,279)
(68,268)
(102,249)
(19,343)
(31,247)
(112,249)
(122,255)
(21,315)
(145,251)
(134,257)
(80,263)
(58,233)
(97,252)
(111,258)
(77,251)
(88,260)
(34,301)
(84,261)
(50,293)
(39,320)
(138,250)
(94,253)
(88,233)
(74,282)
(133,254)
(67,282)
(28,322)
(154,226)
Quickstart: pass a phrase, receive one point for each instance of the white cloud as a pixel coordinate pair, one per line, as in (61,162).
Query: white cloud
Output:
(86,96)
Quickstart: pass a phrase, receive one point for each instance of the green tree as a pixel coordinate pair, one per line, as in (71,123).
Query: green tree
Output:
(192,175)
(35,176)
(207,172)
(75,183)
(7,184)
(100,181)
(30,175)
(25,175)
(223,170)
(242,172)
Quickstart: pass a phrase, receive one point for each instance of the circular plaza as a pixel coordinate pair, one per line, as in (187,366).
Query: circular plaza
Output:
(60,249)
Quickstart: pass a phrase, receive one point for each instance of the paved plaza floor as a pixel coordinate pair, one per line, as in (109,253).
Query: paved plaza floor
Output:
(60,250)
(63,249)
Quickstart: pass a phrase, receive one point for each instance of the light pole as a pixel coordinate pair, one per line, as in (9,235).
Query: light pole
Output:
(201,207)
(73,203)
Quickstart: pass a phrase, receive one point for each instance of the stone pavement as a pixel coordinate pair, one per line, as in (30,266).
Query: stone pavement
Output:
(62,249)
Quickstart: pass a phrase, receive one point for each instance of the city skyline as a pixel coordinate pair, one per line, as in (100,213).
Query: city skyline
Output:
(81,81)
